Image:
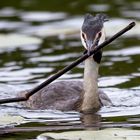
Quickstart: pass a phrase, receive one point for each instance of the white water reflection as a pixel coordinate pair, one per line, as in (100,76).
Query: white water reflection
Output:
(132,14)
(41,16)
(8,75)
(53,58)
(123,52)
(99,7)
(126,103)
(12,25)
(117,59)
(8,12)
(124,97)
(113,80)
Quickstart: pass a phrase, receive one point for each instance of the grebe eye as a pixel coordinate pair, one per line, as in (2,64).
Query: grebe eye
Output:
(84,38)
(99,34)
(83,35)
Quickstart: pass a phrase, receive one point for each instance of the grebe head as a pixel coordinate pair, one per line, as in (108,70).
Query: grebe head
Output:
(92,32)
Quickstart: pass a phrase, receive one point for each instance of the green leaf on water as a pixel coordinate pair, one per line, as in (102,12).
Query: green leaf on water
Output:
(6,120)
(106,134)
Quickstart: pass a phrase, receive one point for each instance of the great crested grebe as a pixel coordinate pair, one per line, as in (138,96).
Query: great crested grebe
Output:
(77,95)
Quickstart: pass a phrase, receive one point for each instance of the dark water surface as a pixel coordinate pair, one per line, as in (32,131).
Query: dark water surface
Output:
(55,43)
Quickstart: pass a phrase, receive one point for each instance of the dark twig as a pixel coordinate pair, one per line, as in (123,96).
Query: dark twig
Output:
(67,68)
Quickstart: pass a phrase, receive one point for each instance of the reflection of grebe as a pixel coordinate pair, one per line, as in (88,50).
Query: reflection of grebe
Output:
(75,95)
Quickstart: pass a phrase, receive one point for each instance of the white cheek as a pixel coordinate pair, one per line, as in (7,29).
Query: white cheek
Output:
(102,39)
(83,42)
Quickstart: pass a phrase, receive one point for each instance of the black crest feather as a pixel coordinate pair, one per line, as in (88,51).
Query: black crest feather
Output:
(102,17)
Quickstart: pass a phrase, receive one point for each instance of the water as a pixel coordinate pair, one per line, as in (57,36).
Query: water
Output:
(54,27)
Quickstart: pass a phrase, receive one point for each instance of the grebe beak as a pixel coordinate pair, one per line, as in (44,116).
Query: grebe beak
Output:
(90,46)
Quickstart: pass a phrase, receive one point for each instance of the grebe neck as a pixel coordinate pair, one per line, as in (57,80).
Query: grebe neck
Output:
(90,101)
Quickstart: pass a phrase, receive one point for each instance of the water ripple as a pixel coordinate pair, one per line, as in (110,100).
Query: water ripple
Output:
(123,52)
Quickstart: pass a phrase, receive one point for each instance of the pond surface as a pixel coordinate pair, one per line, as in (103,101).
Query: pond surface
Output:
(45,38)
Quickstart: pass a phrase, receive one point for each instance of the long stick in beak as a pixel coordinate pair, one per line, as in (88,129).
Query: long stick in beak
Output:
(67,68)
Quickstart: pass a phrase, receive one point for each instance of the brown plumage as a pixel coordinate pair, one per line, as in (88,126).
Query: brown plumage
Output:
(61,95)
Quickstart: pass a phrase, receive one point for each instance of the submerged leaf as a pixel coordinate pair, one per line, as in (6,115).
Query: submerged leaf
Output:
(106,134)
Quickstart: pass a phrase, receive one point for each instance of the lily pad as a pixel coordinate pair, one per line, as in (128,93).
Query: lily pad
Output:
(8,40)
(8,120)
(106,134)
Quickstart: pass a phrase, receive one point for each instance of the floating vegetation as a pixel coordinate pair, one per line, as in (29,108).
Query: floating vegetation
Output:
(8,120)
(106,134)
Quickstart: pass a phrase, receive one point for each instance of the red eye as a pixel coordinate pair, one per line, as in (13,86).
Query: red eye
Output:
(83,35)
(99,34)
